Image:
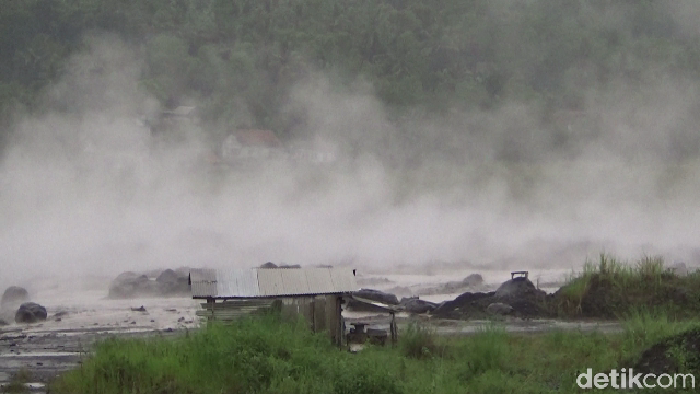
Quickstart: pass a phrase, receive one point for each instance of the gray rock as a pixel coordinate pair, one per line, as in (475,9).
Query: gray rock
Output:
(171,283)
(519,288)
(130,284)
(30,312)
(3,323)
(417,306)
(499,308)
(269,265)
(167,276)
(14,295)
(473,280)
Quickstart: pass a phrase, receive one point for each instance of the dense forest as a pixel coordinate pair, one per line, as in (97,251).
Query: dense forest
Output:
(427,54)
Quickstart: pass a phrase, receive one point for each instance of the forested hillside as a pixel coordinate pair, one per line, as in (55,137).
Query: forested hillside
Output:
(425,54)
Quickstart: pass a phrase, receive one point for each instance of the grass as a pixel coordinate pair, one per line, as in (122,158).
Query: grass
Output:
(18,383)
(612,288)
(267,356)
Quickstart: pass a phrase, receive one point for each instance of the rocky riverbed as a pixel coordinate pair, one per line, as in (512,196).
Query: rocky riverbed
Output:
(75,321)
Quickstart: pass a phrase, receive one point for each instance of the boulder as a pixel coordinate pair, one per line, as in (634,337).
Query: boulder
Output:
(473,280)
(269,265)
(130,284)
(170,282)
(14,295)
(167,276)
(519,288)
(464,306)
(519,295)
(290,266)
(499,308)
(30,312)
(522,295)
(417,306)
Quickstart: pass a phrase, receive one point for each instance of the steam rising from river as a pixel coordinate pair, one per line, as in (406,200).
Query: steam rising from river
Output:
(82,192)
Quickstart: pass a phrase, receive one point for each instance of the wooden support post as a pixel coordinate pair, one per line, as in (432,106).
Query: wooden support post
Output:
(313,315)
(338,322)
(393,329)
(210,307)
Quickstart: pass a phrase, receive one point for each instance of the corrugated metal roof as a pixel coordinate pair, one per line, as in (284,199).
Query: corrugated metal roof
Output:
(243,282)
(269,282)
(203,282)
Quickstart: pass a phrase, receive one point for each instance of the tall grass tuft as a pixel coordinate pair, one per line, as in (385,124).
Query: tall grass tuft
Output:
(18,382)
(645,326)
(610,287)
(487,350)
(418,341)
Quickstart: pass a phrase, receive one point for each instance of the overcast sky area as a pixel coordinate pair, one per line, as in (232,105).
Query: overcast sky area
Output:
(69,210)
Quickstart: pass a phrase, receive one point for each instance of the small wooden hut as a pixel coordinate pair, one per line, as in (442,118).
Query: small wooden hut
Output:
(315,293)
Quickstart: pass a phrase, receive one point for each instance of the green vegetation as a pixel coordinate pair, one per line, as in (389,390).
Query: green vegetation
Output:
(239,58)
(615,289)
(266,356)
(18,383)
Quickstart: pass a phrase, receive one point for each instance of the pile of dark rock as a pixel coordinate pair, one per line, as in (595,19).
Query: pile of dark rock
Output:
(517,297)
(30,312)
(168,283)
(16,301)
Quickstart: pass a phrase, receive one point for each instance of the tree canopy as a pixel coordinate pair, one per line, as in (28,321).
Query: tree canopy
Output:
(416,53)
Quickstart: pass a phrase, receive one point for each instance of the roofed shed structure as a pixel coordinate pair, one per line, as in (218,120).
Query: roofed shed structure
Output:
(315,293)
